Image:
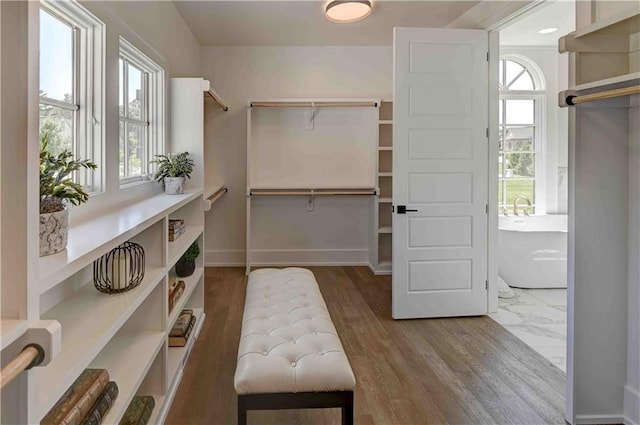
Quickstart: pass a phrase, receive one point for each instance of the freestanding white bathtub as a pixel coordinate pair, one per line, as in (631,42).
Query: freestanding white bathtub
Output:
(533,251)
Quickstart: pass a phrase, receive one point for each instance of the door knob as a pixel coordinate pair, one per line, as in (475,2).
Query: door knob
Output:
(402,209)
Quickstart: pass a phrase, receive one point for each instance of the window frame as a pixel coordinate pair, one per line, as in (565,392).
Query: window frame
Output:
(88,103)
(152,119)
(538,96)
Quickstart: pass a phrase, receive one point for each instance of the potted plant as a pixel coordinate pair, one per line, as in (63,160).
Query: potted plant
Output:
(186,265)
(173,170)
(57,189)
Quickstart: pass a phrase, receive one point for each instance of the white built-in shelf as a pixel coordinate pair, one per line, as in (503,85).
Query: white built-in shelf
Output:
(384,229)
(179,246)
(128,358)
(611,83)
(385,200)
(190,283)
(89,320)
(385,148)
(178,355)
(96,237)
(385,174)
(10,330)
(385,122)
(624,23)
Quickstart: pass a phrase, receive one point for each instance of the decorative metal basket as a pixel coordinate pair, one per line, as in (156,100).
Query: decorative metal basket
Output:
(119,270)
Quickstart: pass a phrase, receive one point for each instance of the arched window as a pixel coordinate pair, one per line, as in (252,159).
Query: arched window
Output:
(520,162)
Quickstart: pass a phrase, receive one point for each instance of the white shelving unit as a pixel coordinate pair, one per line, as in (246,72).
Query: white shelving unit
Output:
(381,255)
(125,333)
(604,191)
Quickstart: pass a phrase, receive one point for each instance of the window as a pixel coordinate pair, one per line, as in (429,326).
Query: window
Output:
(71,110)
(519,156)
(141,113)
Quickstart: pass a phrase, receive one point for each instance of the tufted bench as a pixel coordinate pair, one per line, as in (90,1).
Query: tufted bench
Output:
(290,356)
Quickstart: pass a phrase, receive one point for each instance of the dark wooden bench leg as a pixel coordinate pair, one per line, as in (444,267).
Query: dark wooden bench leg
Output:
(242,411)
(347,411)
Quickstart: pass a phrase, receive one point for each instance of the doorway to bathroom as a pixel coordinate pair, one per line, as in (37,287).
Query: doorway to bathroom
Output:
(532,180)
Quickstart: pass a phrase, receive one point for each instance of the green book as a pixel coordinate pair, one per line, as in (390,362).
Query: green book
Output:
(102,406)
(77,401)
(139,410)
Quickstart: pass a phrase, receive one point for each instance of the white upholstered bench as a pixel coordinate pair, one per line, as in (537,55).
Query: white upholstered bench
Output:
(290,356)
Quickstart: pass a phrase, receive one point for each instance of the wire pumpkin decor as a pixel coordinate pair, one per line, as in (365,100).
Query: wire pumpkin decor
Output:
(119,270)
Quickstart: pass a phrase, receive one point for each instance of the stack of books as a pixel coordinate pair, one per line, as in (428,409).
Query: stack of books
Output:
(139,410)
(181,330)
(176,289)
(86,402)
(176,229)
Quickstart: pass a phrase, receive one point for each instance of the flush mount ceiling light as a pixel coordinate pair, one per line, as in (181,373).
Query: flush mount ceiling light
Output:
(345,11)
(548,30)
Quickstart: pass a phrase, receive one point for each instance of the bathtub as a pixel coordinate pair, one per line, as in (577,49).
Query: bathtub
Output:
(533,251)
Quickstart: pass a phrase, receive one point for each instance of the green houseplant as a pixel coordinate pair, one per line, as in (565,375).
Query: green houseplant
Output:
(57,190)
(173,170)
(186,265)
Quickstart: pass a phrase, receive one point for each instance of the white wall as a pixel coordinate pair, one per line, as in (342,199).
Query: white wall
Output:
(336,232)
(159,31)
(555,121)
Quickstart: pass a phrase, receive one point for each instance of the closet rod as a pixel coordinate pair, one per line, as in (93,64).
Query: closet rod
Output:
(30,356)
(574,100)
(314,193)
(313,104)
(219,101)
(213,198)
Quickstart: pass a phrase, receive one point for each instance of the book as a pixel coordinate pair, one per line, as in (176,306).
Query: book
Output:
(78,400)
(181,341)
(175,293)
(102,405)
(182,323)
(139,411)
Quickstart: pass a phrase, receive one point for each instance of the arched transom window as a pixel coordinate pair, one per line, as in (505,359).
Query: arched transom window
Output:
(521,139)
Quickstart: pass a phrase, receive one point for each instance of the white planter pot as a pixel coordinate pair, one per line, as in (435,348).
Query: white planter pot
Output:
(173,185)
(54,228)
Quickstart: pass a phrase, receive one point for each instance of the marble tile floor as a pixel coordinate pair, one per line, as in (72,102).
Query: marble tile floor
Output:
(539,318)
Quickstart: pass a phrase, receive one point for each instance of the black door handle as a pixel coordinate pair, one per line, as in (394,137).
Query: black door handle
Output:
(402,209)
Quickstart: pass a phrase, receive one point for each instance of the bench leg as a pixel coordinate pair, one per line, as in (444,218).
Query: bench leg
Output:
(347,411)
(242,411)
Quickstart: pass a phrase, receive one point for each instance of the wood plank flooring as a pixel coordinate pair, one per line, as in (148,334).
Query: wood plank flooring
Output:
(437,371)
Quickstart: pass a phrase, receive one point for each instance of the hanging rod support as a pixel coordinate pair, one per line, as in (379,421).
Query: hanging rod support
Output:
(32,355)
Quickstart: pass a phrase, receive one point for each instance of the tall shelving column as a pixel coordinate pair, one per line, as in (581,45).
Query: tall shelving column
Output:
(385,184)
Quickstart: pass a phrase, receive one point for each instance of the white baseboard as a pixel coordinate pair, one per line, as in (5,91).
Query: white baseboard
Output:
(598,419)
(288,257)
(631,406)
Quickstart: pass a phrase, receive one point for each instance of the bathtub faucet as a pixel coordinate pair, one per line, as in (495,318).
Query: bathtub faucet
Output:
(515,205)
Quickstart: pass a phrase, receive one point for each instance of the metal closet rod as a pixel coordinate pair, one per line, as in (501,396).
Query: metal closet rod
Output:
(219,101)
(608,94)
(345,104)
(355,192)
(213,198)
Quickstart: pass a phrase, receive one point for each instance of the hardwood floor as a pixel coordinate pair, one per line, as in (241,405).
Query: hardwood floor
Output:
(437,371)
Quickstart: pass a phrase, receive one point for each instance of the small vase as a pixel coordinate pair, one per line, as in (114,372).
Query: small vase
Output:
(54,229)
(185,268)
(173,185)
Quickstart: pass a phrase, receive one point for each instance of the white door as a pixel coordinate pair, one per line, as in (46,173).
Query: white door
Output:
(440,174)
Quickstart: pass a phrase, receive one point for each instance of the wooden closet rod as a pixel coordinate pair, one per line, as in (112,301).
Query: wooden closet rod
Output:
(30,356)
(313,104)
(574,100)
(314,193)
(213,198)
(219,101)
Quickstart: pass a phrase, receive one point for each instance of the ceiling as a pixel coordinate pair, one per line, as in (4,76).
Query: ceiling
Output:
(524,32)
(302,23)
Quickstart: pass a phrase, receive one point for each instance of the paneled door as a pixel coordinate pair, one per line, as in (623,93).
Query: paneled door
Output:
(440,172)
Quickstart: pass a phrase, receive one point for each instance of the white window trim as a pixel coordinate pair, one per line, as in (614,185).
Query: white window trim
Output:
(539,97)
(155,99)
(89,89)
